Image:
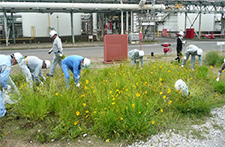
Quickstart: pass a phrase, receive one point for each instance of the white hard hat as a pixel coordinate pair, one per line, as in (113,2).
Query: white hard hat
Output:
(141,53)
(17,56)
(181,33)
(199,52)
(87,62)
(180,85)
(52,33)
(48,63)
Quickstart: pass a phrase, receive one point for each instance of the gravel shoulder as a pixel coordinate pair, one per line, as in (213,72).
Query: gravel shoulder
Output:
(212,134)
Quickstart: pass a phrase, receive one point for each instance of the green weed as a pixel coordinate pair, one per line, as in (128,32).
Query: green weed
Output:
(118,102)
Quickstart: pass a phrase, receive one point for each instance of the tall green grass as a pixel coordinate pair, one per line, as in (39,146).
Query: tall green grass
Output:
(119,102)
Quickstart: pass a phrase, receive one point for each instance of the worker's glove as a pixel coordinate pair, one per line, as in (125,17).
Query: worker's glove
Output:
(44,78)
(41,83)
(182,66)
(78,77)
(50,51)
(78,84)
(217,79)
(184,42)
(7,90)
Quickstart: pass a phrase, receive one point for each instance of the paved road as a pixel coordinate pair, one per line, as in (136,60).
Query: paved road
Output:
(92,52)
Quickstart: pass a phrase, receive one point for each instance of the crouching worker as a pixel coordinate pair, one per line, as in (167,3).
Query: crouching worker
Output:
(34,66)
(136,54)
(193,51)
(31,67)
(5,68)
(220,71)
(74,64)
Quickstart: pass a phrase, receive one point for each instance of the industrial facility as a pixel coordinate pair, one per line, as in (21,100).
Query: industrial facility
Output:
(77,20)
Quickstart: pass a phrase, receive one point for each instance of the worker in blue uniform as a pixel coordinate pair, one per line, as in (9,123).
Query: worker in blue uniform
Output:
(74,64)
(6,63)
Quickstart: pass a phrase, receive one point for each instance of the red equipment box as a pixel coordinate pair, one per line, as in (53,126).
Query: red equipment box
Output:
(190,33)
(115,48)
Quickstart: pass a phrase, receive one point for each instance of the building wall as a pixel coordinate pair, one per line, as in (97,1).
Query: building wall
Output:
(176,22)
(61,22)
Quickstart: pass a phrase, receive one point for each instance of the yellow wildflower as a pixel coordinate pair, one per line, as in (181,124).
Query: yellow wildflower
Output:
(85,88)
(121,118)
(160,79)
(84,104)
(180,92)
(161,110)
(86,81)
(133,105)
(76,122)
(169,71)
(145,83)
(211,67)
(146,92)
(56,93)
(107,140)
(93,91)
(147,104)
(113,103)
(161,93)
(87,111)
(169,102)
(139,112)
(77,113)
(138,94)
(153,122)
(164,97)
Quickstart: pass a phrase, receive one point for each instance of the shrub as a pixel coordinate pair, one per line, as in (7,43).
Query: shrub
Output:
(219,87)
(213,59)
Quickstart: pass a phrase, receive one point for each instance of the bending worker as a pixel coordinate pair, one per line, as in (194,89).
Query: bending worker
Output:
(193,51)
(33,65)
(220,71)
(136,54)
(5,68)
(74,63)
(58,52)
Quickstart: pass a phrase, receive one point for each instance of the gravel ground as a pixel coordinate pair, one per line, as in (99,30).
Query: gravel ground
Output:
(213,133)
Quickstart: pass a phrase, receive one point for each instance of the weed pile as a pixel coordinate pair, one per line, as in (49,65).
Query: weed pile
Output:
(118,102)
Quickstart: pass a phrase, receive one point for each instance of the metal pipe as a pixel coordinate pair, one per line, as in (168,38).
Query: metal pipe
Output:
(73,6)
(13,29)
(121,22)
(127,22)
(6,30)
(132,21)
(72,32)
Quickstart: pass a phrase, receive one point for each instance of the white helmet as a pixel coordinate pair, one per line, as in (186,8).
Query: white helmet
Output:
(48,63)
(52,33)
(199,52)
(17,56)
(141,53)
(181,33)
(87,62)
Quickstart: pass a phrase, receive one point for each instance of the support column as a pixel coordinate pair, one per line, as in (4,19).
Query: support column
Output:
(223,24)
(127,22)
(94,24)
(6,30)
(72,31)
(122,22)
(185,22)
(131,22)
(199,29)
(13,29)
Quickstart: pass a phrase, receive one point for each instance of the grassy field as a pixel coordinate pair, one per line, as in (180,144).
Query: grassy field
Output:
(113,104)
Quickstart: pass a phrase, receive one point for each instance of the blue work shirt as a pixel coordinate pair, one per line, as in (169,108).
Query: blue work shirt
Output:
(5,69)
(74,64)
